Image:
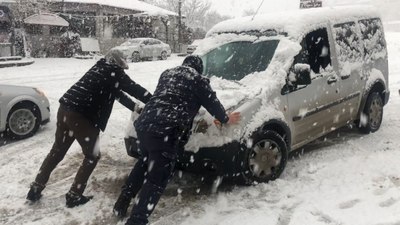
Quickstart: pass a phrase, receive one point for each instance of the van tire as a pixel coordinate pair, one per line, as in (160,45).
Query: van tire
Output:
(372,113)
(275,156)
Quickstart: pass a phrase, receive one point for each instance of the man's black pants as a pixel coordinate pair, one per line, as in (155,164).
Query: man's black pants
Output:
(151,174)
(72,126)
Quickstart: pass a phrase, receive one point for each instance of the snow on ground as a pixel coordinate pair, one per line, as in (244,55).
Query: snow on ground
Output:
(344,178)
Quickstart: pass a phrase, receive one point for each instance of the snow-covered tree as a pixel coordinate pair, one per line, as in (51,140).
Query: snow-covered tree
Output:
(25,8)
(212,18)
(197,13)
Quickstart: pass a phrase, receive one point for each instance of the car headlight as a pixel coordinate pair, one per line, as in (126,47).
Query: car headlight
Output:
(40,92)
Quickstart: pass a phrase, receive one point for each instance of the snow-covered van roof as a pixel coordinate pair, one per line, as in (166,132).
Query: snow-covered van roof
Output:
(294,23)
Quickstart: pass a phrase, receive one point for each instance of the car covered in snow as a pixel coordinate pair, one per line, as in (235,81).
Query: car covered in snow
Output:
(22,110)
(294,77)
(137,49)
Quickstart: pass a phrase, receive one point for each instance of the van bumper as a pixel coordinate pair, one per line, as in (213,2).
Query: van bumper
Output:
(226,160)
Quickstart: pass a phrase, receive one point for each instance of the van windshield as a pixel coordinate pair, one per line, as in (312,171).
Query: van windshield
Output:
(235,60)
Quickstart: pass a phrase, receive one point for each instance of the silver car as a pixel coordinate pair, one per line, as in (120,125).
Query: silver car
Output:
(138,49)
(22,111)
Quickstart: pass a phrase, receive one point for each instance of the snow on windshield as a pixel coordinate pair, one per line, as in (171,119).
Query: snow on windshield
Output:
(235,60)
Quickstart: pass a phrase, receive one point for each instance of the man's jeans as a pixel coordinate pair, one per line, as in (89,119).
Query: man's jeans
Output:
(150,174)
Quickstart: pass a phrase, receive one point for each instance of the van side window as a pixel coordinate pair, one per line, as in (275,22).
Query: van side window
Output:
(315,50)
(348,46)
(373,38)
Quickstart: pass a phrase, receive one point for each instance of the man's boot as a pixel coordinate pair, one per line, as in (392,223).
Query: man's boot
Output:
(73,199)
(35,192)
(121,205)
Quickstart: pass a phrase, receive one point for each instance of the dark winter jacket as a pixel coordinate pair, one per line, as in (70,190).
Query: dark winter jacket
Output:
(180,93)
(94,94)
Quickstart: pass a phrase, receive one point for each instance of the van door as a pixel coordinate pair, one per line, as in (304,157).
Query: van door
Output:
(349,55)
(313,108)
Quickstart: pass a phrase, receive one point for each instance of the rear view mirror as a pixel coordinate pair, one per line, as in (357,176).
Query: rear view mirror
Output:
(303,74)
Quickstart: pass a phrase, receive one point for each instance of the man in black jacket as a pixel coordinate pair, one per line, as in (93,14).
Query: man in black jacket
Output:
(164,123)
(84,110)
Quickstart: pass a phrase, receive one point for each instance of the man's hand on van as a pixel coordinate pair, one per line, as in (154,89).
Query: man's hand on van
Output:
(234,118)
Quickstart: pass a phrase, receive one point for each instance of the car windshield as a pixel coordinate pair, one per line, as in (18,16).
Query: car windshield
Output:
(235,60)
(131,42)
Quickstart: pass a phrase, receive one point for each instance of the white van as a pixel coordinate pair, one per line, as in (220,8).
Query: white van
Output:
(295,77)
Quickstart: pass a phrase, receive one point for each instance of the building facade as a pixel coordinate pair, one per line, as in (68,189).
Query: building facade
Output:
(109,22)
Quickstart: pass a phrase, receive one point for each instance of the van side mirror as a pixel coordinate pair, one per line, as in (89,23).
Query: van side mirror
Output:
(303,74)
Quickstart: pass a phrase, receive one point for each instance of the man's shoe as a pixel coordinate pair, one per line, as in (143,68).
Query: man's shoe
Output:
(73,199)
(35,192)
(122,205)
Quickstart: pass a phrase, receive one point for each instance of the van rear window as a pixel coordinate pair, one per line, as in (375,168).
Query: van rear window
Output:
(235,60)
(373,39)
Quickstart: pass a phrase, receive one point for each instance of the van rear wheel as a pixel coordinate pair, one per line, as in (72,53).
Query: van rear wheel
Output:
(266,159)
(371,118)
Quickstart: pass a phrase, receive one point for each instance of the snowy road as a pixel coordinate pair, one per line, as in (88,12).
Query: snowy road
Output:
(345,178)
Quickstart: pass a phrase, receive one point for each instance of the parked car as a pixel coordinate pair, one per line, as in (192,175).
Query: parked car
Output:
(192,47)
(22,111)
(138,49)
(293,80)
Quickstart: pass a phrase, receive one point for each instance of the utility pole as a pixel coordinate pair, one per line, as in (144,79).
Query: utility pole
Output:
(180,24)
(63,6)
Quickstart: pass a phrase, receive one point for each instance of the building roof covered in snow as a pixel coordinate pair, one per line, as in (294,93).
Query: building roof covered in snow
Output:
(124,4)
(294,23)
(128,4)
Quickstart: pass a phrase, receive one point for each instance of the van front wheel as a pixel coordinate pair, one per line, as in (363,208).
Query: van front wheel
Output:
(371,119)
(266,159)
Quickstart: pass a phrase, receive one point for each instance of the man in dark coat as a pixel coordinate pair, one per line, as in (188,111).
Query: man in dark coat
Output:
(84,110)
(163,123)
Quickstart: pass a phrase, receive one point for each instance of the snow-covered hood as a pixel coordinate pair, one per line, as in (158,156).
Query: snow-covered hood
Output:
(232,93)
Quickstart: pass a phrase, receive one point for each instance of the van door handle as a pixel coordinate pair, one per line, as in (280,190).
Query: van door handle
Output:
(332,80)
